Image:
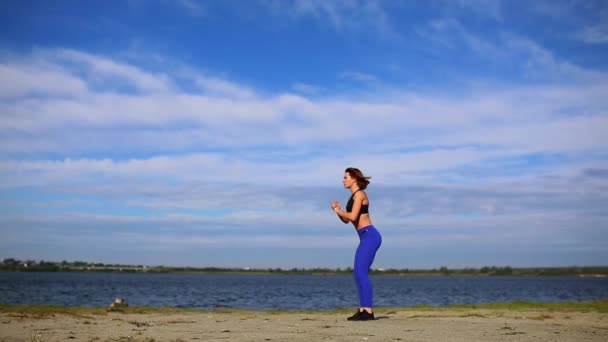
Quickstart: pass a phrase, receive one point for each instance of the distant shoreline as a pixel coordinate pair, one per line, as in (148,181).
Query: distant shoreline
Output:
(303,273)
(13,265)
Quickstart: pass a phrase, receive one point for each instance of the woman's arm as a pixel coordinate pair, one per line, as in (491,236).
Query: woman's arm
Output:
(335,205)
(340,217)
(354,213)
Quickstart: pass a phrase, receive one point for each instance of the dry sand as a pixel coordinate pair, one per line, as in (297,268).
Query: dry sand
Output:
(392,325)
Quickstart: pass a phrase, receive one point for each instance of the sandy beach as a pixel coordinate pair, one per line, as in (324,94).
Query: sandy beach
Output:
(244,325)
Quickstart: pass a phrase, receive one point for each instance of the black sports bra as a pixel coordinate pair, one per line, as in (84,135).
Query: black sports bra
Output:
(351,201)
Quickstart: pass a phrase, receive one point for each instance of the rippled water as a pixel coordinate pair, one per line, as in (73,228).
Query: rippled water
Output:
(285,291)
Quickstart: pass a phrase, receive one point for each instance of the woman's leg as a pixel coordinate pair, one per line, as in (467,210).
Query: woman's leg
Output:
(364,257)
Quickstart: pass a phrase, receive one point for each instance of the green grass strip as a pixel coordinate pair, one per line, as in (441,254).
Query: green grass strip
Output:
(600,306)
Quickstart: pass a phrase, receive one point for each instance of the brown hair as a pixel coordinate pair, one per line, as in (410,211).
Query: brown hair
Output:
(362,180)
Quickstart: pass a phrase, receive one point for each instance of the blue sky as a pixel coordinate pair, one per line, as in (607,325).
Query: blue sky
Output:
(216,133)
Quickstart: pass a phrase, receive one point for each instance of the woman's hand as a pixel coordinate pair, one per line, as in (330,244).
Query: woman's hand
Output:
(335,205)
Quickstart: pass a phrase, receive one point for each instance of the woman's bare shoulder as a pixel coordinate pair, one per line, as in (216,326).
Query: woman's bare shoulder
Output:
(360,195)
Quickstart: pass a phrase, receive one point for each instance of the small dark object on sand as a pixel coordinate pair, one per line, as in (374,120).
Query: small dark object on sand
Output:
(118,305)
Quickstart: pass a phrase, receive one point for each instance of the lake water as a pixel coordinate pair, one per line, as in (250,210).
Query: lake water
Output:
(206,291)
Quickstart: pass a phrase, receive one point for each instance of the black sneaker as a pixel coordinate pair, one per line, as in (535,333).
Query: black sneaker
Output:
(354,317)
(365,316)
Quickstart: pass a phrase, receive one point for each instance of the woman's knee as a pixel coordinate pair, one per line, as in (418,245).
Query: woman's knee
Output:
(360,274)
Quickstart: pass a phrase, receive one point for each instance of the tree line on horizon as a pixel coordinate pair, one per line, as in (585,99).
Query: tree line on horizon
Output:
(15,265)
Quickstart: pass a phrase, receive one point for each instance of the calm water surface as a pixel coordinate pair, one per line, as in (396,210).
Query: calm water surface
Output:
(207,291)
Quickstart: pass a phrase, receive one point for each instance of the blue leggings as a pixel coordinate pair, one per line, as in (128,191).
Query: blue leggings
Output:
(370,241)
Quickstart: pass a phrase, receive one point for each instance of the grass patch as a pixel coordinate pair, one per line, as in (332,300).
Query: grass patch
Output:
(86,312)
(50,310)
(600,306)
(594,306)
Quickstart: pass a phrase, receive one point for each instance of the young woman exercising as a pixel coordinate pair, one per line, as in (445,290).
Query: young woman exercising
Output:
(357,212)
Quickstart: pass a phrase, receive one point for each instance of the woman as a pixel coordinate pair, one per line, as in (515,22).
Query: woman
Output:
(357,212)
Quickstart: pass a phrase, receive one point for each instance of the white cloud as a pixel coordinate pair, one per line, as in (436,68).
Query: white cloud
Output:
(231,158)
(581,20)
(24,80)
(306,89)
(227,116)
(105,70)
(596,34)
(193,7)
(218,87)
(358,76)
(343,16)
(530,60)
(481,8)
